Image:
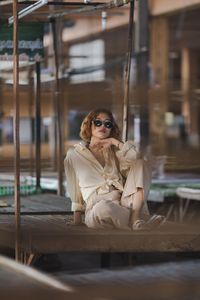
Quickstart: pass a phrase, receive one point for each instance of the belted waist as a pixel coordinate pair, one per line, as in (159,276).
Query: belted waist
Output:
(113,194)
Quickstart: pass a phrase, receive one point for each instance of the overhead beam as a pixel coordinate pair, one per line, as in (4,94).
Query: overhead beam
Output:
(26,11)
(159,7)
(75,3)
(9,2)
(102,6)
(55,3)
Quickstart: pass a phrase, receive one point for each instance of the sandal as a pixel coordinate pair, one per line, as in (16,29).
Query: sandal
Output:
(156,221)
(139,225)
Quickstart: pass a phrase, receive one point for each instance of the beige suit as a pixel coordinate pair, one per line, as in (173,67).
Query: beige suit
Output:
(102,191)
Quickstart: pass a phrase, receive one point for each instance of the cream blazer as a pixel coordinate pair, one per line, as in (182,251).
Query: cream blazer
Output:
(85,175)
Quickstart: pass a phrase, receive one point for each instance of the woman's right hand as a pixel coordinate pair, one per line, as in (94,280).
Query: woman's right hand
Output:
(77,218)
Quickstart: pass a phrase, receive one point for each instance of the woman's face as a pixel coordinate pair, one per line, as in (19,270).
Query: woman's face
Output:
(103,126)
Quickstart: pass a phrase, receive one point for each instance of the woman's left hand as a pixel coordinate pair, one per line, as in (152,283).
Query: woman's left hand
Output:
(106,143)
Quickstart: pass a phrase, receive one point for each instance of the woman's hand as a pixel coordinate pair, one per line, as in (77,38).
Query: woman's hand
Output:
(100,144)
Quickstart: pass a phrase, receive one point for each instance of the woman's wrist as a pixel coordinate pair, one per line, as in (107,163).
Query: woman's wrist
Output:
(77,217)
(118,144)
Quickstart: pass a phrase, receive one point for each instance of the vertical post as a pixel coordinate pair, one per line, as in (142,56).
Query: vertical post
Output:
(141,49)
(16,130)
(30,110)
(37,126)
(1,119)
(127,72)
(58,114)
(185,84)
(189,104)
(159,50)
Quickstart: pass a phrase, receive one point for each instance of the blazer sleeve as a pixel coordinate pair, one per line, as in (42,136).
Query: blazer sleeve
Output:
(127,155)
(73,188)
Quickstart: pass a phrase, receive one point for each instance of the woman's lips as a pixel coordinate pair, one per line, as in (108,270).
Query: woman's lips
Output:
(102,131)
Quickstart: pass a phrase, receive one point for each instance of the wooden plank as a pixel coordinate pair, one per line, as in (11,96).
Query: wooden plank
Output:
(39,203)
(143,274)
(32,277)
(30,284)
(53,234)
(171,280)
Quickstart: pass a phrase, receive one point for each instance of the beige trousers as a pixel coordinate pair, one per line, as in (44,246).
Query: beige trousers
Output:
(112,210)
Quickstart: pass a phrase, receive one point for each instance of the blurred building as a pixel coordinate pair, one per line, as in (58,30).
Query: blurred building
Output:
(164,106)
(174,94)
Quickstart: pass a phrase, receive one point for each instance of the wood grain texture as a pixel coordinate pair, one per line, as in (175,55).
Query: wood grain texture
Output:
(53,234)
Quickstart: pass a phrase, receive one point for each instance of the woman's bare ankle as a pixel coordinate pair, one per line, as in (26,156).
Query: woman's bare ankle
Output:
(134,216)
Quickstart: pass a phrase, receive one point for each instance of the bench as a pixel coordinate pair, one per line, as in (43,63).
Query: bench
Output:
(185,196)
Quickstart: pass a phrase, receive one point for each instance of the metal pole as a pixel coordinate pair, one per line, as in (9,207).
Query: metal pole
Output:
(30,110)
(37,126)
(16,131)
(59,145)
(127,72)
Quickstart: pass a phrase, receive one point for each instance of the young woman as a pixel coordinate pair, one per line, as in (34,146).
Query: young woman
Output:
(107,178)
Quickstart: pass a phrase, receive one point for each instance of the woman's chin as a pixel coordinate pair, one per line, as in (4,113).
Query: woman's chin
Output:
(103,136)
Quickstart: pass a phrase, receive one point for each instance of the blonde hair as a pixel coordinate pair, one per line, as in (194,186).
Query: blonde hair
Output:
(86,132)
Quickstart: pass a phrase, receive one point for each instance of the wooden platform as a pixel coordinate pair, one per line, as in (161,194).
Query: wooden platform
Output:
(22,282)
(166,281)
(46,227)
(53,234)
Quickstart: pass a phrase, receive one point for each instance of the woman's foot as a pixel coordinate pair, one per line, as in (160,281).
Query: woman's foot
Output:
(155,221)
(139,225)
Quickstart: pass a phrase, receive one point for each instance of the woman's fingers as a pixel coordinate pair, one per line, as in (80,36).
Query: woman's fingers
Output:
(102,144)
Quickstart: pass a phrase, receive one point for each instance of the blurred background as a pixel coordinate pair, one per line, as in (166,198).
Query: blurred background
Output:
(164,104)
(72,59)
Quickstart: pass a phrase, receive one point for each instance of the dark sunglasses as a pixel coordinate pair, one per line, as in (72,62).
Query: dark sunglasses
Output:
(107,124)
